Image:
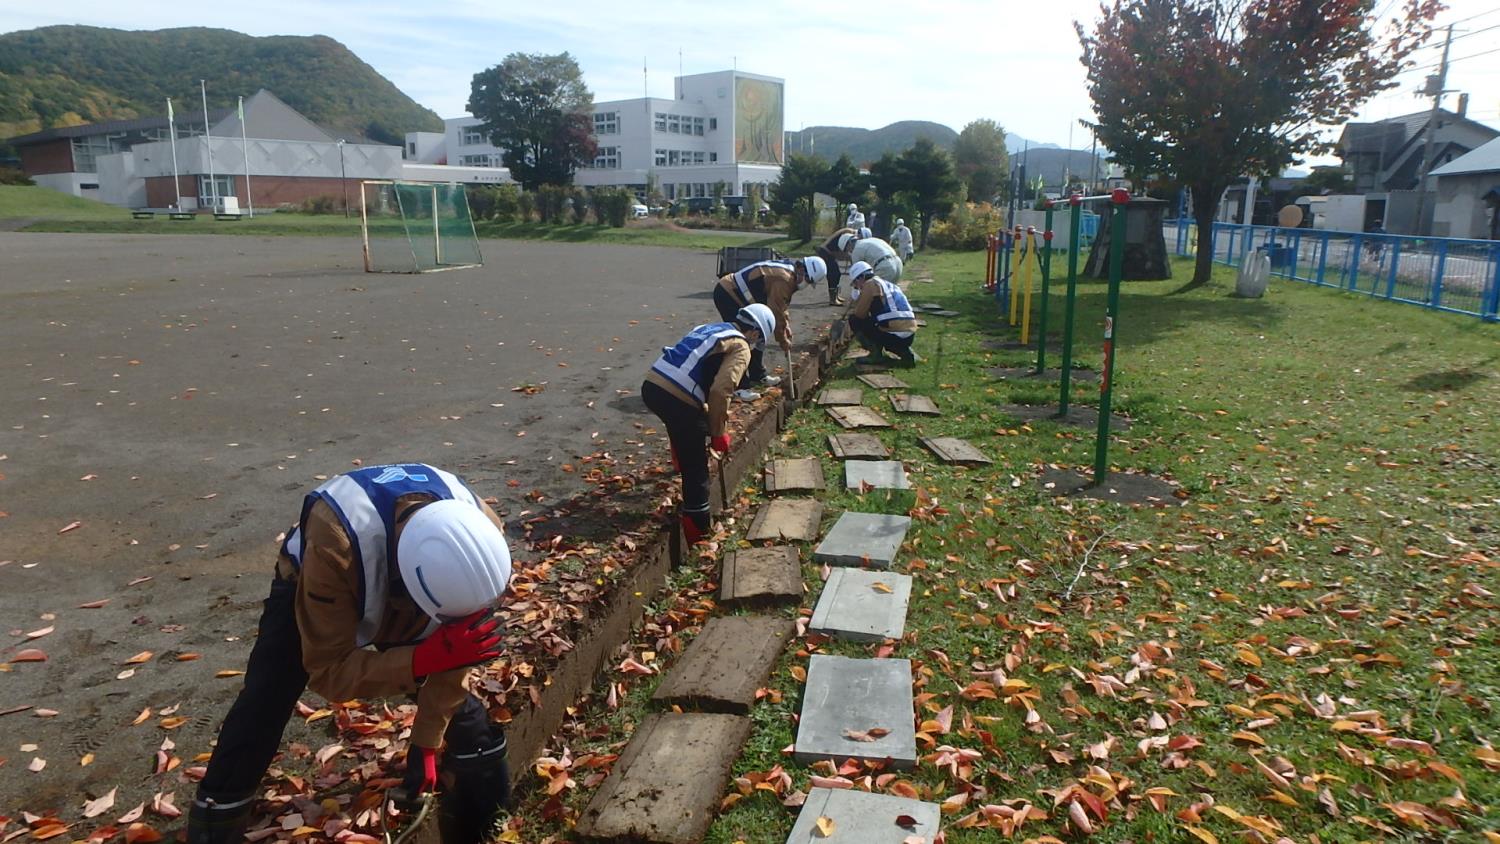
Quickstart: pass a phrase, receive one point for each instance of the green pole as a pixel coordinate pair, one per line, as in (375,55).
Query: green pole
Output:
(1075,213)
(1111,322)
(1041,333)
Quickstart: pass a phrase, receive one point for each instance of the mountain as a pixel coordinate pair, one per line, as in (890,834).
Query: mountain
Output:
(865,146)
(1054,164)
(1015,143)
(67,75)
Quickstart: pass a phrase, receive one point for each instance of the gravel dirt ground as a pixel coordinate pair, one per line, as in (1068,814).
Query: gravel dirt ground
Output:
(167,402)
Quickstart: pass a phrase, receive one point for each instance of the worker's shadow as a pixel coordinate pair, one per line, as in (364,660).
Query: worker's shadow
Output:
(1448,380)
(701,294)
(631,404)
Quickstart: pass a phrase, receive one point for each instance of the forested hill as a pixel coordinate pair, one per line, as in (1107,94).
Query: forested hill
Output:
(865,146)
(66,75)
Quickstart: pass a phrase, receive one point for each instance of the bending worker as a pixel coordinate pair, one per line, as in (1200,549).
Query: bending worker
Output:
(833,251)
(384,587)
(689,388)
(772,284)
(879,255)
(881,319)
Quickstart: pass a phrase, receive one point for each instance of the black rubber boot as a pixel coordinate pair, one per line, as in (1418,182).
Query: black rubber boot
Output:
(478,798)
(218,820)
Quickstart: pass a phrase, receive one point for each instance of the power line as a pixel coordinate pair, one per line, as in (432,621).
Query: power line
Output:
(1472,17)
(1462,37)
(1453,61)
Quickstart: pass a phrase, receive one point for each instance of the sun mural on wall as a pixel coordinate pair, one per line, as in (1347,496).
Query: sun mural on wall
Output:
(757,121)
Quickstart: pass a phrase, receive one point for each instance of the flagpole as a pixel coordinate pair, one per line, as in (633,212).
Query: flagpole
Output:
(208,141)
(245,149)
(172,134)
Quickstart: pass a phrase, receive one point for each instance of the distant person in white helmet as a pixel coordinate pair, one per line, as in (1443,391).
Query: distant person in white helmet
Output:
(878,254)
(689,387)
(856,218)
(901,239)
(772,284)
(881,319)
(835,254)
(384,587)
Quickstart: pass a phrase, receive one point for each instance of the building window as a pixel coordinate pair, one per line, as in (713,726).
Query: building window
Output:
(473,136)
(661,121)
(713,157)
(412,149)
(608,158)
(220,186)
(481,160)
(607,123)
(697,126)
(674,158)
(86,150)
(661,158)
(674,124)
(713,123)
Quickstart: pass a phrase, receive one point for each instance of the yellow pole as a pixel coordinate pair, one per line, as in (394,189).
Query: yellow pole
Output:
(1016,259)
(1027,281)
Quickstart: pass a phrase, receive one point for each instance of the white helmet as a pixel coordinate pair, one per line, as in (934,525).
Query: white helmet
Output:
(847,240)
(453,559)
(760,318)
(860,268)
(817,269)
(865,232)
(853,207)
(900,222)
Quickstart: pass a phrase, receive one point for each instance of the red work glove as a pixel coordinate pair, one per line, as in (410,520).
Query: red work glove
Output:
(720,443)
(457,644)
(421,771)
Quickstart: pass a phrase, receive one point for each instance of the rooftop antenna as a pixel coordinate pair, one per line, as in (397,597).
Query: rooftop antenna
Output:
(679,61)
(645,83)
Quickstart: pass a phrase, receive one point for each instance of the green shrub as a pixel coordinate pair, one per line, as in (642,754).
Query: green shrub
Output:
(801,219)
(526,206)
(966,228)
(612,205)
(481,202)
(552,203)
(325,204)
(13,176)
(580,199)
(507,207)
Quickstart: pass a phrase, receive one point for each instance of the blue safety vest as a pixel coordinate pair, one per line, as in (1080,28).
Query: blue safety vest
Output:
(365,503)
(684,363)
(896,306)
(742,279)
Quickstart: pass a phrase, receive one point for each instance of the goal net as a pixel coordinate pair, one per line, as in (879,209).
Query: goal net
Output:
(416,227)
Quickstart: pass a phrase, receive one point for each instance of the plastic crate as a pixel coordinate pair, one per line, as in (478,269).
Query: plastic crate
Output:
(732,259)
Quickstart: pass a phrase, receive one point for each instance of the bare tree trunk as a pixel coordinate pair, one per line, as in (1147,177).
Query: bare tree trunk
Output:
(1205,206)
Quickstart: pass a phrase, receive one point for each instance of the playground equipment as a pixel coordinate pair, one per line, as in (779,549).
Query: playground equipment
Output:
(1118,199)
(1027,267)
(997,264)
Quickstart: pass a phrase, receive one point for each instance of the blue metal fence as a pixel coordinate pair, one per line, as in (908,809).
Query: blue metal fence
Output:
(1460,276)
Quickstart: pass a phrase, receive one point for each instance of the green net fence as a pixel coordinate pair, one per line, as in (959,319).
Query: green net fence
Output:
(412,227)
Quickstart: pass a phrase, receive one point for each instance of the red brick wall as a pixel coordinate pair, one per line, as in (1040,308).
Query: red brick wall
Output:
(270,191)
(50,157)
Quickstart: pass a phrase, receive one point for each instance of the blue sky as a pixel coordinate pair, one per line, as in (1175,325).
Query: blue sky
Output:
(855,64)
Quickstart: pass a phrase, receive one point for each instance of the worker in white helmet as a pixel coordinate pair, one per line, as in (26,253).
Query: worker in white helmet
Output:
(901,239)
(856,218)
(385,586)
(689,387)
(878,254)
(881,319)
(835,254)
(771,283)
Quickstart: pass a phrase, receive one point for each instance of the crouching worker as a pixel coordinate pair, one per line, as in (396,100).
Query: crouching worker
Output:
(689,388)
(833,251)
(384,587)
(772,284)
(881,319)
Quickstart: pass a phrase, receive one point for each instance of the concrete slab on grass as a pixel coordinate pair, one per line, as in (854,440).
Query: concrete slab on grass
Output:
(858,417)
(875,474)
(761,577)
(955,450)
(802,474)
(840,395)
(863,539)
(845,701)
(857,446)
(909,403)
(942,313)
(881,381)
(724,665)
(860,817)
(862,606)
(665,788)
(787,518)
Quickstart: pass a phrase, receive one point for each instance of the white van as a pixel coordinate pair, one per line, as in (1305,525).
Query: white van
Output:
(638,211)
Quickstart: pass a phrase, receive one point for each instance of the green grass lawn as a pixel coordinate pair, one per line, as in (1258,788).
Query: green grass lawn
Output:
(51,211)
(1307,648)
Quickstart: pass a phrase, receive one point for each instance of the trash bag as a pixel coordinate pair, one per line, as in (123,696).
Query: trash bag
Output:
(1255,274)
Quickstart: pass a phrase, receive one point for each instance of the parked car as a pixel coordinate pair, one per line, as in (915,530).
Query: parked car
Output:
(692,205)
(639,211)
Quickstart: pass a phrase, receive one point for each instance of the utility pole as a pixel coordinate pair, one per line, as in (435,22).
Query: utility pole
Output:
(1434,89)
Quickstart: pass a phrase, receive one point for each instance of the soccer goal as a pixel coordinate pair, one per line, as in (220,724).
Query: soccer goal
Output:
(416,227)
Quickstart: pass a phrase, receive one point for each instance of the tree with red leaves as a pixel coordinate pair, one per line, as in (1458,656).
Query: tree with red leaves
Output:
(1204,92)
